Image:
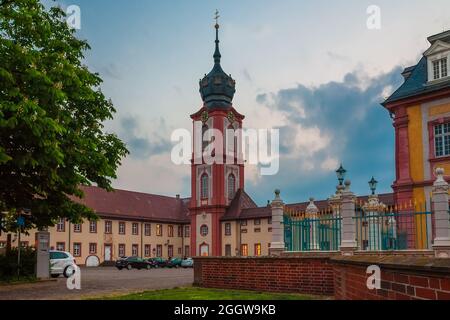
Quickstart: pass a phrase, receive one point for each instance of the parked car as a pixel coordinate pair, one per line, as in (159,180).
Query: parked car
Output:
(159,262)
(133,263)
(187,263)
(61,263)
(174,263)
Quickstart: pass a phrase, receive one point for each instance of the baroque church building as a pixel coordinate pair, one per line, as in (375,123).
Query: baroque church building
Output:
(219,219)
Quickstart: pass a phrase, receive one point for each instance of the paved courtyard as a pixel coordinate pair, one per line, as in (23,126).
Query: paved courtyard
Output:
(96,282)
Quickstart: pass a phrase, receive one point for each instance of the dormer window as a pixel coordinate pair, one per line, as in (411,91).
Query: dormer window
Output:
(437,60)
(440,68)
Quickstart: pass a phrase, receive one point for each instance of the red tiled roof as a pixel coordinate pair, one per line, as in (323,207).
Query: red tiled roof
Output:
(387,199)
(240,202)
(123,204)
(266,212)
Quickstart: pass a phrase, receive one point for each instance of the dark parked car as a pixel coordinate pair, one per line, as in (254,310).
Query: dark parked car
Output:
(158,262)
(133,263)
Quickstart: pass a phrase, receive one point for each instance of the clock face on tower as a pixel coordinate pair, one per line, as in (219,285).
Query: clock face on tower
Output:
(205,116)
(231,117)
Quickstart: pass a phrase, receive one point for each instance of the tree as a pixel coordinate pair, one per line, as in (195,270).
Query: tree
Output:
(52,111)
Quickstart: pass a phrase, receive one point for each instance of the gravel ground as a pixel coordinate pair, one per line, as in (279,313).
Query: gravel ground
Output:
(97,282)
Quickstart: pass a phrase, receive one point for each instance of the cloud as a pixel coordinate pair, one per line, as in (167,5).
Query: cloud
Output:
(328,124)
(111,70)
(143,146)
(157,175)
(337,57)
(247,75)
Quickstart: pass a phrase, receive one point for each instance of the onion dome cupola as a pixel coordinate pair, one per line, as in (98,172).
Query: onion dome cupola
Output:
(217,88)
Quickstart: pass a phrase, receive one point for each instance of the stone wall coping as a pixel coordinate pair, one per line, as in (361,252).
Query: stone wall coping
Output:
(396,262)
(274,258)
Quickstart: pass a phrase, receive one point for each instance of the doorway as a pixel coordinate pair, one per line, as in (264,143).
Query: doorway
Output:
(108,251)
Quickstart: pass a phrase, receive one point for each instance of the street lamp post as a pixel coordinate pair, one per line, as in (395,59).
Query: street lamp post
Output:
(373,185)
(341,175)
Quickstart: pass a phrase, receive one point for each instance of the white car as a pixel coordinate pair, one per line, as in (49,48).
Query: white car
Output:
(61,263)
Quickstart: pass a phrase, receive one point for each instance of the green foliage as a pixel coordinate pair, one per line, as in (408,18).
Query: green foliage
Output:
(51,117)
(8,264)
(210,294)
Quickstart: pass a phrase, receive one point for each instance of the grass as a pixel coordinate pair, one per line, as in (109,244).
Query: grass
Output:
(209,294)
(14,281)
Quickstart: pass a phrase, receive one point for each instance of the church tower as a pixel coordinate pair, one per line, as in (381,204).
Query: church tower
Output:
(214,185)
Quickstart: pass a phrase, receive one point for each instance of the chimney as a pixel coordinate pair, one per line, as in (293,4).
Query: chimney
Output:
(178,197)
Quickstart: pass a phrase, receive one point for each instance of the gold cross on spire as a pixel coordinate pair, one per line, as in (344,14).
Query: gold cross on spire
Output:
(217,16)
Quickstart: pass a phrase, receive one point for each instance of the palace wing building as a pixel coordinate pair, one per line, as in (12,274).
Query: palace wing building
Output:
(421,109)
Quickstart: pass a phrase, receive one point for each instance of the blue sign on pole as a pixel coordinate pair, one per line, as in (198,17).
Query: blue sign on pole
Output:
(20,221)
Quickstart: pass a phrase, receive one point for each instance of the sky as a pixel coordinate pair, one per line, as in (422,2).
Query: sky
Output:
(311,69)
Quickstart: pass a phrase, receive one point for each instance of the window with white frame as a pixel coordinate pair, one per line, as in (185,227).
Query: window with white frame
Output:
(108,227)
(440,68)
(121,227)
(187,231)
(147,250)
(159,230)
(135,250)
(227,229)
(442,140)
(159,250)
(121,250)
(60,246)
(135,229)
(92,248)
(61,226)
(148,229)
(170,231)
(444,67)
(77,228)
(77,249)
(93,226)
(204,230)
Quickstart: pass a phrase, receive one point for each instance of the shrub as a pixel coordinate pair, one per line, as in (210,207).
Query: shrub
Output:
(8,264)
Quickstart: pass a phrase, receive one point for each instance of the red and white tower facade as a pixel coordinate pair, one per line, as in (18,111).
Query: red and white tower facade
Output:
(214,184)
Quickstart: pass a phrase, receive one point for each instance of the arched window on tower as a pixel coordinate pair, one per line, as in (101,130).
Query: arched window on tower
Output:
(204,186)
(231,186)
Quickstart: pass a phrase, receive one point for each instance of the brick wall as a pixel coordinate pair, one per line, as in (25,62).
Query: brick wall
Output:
(308,275)
(401,278)
(404,277)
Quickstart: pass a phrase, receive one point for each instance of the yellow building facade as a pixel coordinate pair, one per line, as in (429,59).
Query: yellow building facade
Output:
(421,112)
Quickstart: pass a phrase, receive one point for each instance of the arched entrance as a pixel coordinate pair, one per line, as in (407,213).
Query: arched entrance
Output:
(204,250)
(92,261)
